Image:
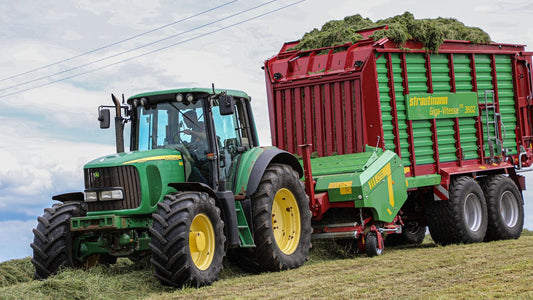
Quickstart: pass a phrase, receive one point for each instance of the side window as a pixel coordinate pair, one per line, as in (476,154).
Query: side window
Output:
(151,128)
(162,123)
(227,133)
(232,135)
(242,126)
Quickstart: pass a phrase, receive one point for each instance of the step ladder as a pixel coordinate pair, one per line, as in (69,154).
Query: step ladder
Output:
(494,141)
(245,234)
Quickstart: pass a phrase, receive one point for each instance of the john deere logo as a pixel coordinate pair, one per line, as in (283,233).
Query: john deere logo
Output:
(96,175)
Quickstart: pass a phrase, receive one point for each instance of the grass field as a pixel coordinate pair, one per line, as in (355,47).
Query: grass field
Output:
(502,269)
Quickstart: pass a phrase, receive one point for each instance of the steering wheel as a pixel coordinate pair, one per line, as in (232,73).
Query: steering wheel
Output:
(176,137)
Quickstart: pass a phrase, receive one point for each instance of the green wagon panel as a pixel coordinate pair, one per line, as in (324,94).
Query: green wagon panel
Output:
(506,98)
(441,81)
(417,83)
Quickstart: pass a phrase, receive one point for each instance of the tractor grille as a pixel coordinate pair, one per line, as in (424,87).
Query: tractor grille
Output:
(125,177)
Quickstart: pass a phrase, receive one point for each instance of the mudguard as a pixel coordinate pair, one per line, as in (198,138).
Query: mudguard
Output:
(253,165)
(76,196)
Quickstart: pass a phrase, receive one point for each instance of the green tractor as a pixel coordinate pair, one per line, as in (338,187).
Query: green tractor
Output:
(194,186)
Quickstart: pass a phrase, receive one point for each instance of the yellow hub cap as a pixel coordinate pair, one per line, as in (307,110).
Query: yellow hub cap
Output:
(202,241)
(286,221)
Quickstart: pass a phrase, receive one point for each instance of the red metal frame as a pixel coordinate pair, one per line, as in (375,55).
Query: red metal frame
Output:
(349,105)
(329,119)
(299,119)
(339,119)
(345,124)
(319,124)
(289,127)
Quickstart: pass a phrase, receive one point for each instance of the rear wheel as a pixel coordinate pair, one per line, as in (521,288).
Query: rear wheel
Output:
(187,240)
(461,219)
(281,222)
(53,243)
(505,208)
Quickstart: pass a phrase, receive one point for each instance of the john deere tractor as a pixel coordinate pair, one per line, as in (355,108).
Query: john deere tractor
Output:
(194,186)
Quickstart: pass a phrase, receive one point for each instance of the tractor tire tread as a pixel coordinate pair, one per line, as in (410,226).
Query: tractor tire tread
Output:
(52,239)
(266,256)
(170,243)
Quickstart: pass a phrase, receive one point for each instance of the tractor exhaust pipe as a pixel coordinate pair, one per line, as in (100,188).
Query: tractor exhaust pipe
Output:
(119,125)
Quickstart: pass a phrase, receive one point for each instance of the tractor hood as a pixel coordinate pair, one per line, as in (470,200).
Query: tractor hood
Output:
(136,157)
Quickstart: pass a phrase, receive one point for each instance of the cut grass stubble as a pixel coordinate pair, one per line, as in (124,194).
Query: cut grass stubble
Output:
(485,270)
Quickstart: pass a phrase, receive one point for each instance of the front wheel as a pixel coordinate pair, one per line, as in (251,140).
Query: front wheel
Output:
(281,222)
(187,240)
(54,244)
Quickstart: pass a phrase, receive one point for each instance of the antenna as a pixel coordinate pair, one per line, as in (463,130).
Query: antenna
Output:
(213,86)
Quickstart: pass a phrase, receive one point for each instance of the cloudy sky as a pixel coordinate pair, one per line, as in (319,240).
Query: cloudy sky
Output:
(48,125)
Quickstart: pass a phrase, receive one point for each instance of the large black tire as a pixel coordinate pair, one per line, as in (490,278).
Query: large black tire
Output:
(281,223)
(505,207)
(187,240)
(461,219)
(413,233)
(53,242)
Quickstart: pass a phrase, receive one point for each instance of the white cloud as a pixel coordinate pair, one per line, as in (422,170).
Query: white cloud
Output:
(35,165)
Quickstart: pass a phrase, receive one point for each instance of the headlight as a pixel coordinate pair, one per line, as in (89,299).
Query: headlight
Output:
(111,195)
(103,195)
(90,196)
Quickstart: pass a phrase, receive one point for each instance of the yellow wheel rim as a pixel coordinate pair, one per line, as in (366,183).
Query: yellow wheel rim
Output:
(202,241)
(286,221)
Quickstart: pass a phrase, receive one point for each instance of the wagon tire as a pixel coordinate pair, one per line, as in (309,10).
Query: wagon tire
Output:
(505,208)
(413,233)
(461,219)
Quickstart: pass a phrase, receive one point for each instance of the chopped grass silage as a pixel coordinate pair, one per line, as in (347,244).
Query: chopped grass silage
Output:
(430,32)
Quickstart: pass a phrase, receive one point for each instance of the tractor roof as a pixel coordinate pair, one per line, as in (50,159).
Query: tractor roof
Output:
(235,93)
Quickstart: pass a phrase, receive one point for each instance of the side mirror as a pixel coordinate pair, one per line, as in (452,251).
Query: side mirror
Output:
(226,105)
(104,117)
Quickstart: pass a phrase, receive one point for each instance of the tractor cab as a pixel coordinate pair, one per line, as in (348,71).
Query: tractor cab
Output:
(210,129)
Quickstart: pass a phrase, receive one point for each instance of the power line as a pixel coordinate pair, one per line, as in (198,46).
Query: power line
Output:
(156,50)
(118,42)
(133,49)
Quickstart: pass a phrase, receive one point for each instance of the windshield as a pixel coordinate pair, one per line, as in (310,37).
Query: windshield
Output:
(169,124)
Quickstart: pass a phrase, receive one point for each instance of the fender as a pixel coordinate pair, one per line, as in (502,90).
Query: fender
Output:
(76,196)
(225,201)
(253,165)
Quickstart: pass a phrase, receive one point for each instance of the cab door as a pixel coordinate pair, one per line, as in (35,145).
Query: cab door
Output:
(233,138)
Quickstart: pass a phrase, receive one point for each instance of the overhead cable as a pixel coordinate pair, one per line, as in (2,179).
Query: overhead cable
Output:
(136,48)
(156,50)
(118,42)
